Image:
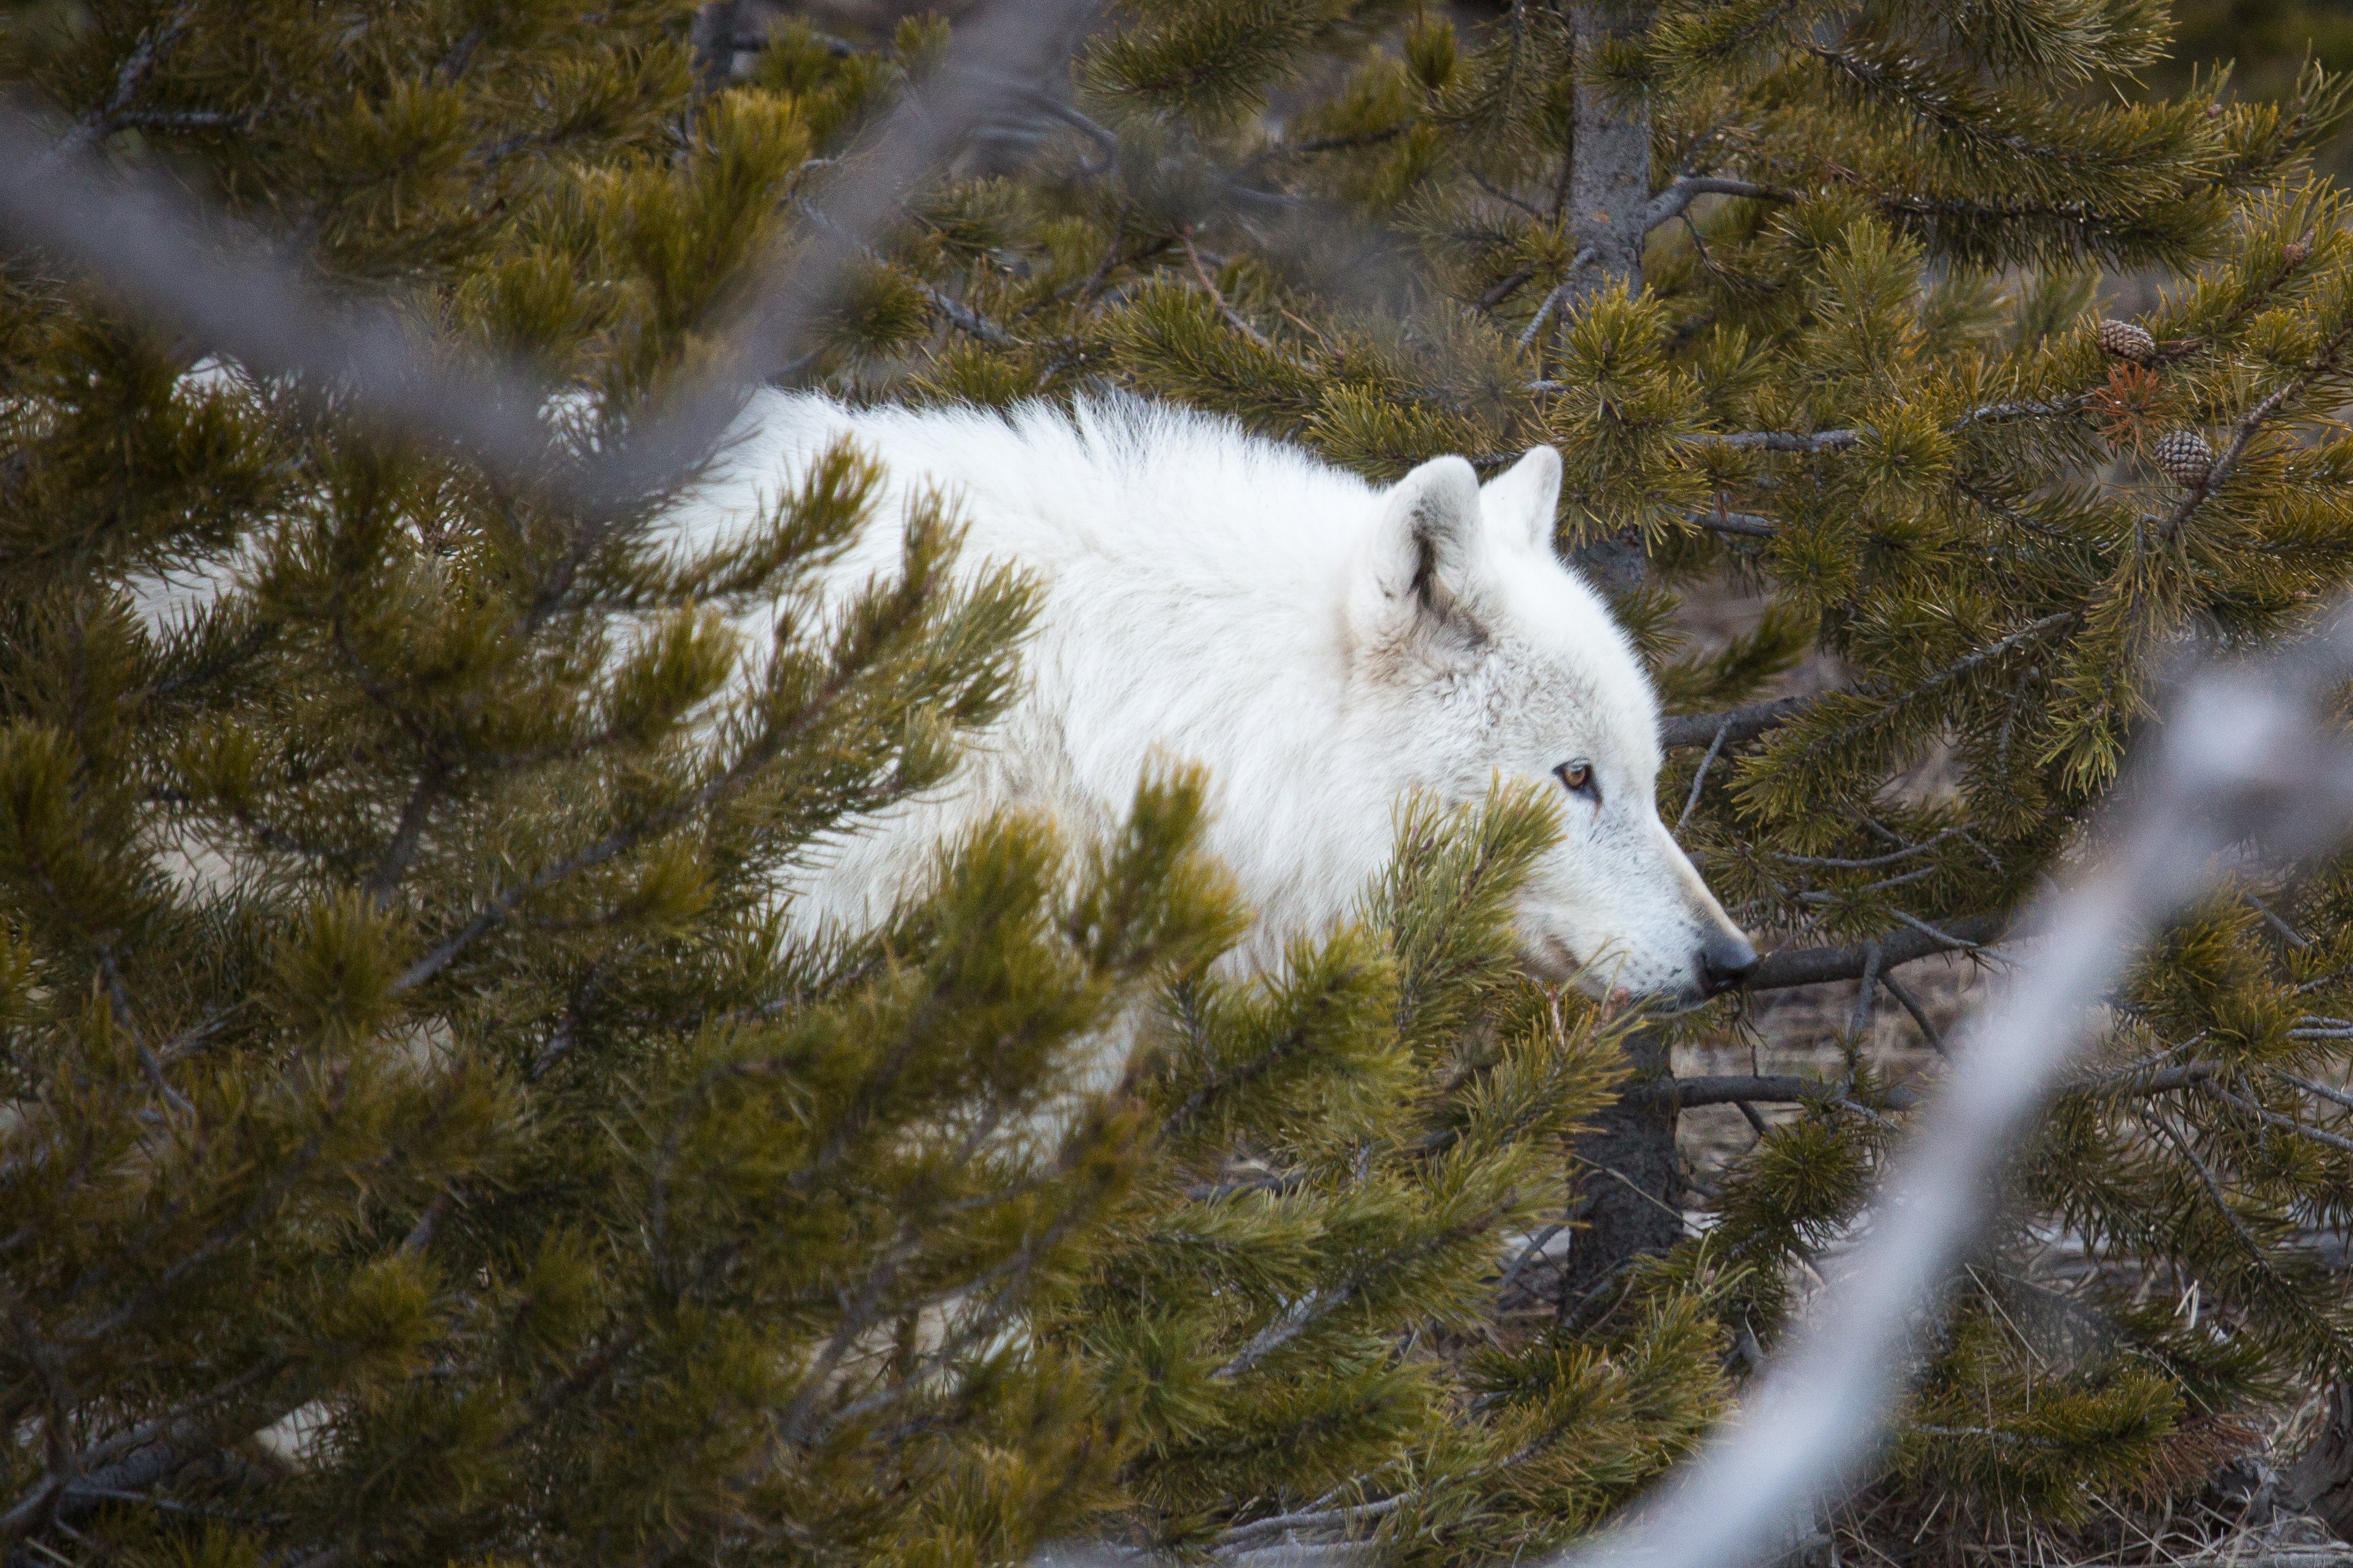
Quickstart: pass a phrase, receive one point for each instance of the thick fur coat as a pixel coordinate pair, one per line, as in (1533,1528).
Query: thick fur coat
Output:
(1322,645)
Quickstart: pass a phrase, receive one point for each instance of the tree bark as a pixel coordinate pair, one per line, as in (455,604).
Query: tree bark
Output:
(1626,1193)
(1609,158)
(2323,1478)
(712,41)
(1627,1189)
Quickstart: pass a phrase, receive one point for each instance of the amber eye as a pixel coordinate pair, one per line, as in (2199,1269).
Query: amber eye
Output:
(1575,778)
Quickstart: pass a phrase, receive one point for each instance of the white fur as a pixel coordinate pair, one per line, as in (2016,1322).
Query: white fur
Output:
(1322,646)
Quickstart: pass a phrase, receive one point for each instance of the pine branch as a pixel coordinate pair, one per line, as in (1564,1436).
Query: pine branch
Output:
(118,1001)
(1529,1254)
(1819,965)
(1976,658)
(501,906)
(2334,1096)
(954,311)
(1744,524)
(1504,289)
(153,45)
(1871,862)
(1997,413)
(282,1182)
(60,1399)
(129,1461)
(1838,440)
(2213,1189)
(2227,463)
(2133,1083)
(2274,1118)
(968,319)
(383,882)
(1762,1089)
(1328,144)
(1775,440)
(1555,298)
(1734,726)
(1684,189)
(1313,1520)
(1910,1005)
(1296,1319)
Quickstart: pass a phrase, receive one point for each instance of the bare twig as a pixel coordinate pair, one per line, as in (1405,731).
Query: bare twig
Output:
(1557,299)
(1233,318)
(1699,779)
(1910,1005)
(1529,1254)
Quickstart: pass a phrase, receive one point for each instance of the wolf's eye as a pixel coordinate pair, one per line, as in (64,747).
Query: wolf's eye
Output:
(1577,778)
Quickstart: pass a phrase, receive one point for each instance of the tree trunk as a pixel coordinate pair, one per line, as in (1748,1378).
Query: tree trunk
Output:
(1610,159)
(712,41)
(2323,1480)
(1627,1192)
(1609,189)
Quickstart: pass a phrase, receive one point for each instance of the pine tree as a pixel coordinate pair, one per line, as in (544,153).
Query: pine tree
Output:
(422,1142)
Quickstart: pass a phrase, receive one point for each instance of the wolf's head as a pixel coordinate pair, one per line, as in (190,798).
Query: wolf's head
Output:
(1479,652)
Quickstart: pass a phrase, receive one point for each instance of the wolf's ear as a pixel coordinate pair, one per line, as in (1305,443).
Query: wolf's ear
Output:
(1423,549)
(1523,501)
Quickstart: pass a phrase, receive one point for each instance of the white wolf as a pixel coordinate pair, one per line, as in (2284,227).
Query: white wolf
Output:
(1322,646)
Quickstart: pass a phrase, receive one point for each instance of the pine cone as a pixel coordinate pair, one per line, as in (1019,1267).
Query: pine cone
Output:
(2185,457)
(2126,340)
(2294,251)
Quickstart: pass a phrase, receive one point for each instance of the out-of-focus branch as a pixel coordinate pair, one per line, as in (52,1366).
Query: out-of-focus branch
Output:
(234,295)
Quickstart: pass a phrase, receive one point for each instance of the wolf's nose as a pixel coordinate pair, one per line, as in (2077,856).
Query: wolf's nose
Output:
(1725,959)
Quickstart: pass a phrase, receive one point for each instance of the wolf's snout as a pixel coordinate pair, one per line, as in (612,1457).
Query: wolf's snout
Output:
(1725,959)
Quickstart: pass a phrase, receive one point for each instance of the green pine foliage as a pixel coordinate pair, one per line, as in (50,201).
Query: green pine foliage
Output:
(421,1145)
(420,1142)
(1297,1316)
(2265,46)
